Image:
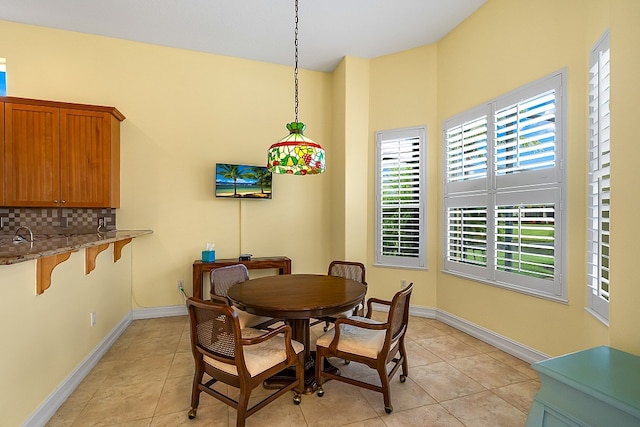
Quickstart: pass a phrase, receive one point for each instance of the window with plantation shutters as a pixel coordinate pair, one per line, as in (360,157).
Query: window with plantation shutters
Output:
(503,185)
(599,187)
(400,197)
(524,240)
(467,151)
(525,135)
(467,242)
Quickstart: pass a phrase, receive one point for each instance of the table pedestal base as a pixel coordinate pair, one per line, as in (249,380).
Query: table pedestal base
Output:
(310,384)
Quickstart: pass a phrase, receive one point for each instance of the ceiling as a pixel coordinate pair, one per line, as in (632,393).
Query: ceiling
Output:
(261,30)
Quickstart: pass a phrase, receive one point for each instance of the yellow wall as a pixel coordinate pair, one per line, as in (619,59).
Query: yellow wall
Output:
(45,337)
(187,110)
(403,93)
(221,110)
(625,175)
(348,160)
(337,161)
(504,45)
(184,111)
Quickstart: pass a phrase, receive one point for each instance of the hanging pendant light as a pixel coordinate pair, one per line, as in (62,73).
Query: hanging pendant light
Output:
(296,154)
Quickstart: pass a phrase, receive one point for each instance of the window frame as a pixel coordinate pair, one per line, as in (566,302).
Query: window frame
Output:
(530,187)
(380,259)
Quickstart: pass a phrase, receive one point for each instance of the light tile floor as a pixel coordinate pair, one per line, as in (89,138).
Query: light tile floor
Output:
(454,380)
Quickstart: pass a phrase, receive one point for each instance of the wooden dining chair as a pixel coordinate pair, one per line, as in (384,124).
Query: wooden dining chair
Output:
(373,343)
(240,358)
(221,280)
(348,270)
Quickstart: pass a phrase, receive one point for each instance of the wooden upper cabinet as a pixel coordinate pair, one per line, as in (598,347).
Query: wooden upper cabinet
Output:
(32,156)
(61,154)
(89,159)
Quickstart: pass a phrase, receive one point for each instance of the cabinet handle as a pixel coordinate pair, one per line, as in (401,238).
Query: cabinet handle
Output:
(55,201)
(64,201)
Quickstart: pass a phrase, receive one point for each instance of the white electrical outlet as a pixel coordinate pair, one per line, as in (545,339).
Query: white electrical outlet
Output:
(180,285)
(93,318)
(403,284)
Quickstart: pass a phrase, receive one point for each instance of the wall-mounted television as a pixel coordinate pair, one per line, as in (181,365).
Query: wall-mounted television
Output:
(243,181)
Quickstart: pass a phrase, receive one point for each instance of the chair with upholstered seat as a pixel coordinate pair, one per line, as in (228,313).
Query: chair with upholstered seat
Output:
(242,358)
(373,343)
(348,270)
(221,280)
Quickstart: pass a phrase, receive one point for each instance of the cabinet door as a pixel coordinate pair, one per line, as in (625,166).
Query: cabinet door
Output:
(32,157)
(85,158)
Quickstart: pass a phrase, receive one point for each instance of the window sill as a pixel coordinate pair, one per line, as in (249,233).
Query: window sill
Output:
(512,288)
(597,316)
(401,267)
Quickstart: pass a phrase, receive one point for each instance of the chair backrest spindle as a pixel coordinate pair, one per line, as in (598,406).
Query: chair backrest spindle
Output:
(224,277)
(215,330)
(399,316)
(348,270)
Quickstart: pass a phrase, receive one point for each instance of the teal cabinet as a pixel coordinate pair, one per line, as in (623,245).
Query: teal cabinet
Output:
(599,387)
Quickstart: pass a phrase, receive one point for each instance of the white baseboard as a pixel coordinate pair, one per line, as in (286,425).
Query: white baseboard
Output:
(155,312)
(51,404)
(426,312)
(505,344)
(49,407)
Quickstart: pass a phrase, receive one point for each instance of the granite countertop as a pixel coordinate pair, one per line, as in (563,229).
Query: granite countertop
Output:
(52,244)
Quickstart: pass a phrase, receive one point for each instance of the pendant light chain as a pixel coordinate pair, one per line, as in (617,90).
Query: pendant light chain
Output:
(295,70)
(296,154)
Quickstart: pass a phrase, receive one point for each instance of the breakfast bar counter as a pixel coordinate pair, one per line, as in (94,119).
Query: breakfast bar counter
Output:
(49,250)
(53,244)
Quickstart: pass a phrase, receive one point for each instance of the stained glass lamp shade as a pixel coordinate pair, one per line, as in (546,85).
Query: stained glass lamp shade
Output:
(296,154)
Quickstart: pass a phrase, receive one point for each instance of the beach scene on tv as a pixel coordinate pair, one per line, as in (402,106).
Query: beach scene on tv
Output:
(243,181)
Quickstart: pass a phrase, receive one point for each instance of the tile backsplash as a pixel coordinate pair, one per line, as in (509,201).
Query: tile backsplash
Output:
(56,220)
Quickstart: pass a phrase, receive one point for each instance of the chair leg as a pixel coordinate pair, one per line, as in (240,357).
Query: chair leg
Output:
(319,365)
(195,392)
(300,375)
(405,364)
(386,390)
(243,404)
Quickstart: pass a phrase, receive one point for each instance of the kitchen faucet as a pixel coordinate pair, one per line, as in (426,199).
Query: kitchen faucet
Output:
(20,238)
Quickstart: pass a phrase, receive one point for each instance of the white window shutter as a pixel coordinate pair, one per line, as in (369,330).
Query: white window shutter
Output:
(503,185)
(599,189)
(400,207)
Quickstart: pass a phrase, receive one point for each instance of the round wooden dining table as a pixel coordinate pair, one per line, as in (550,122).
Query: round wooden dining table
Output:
(296,298)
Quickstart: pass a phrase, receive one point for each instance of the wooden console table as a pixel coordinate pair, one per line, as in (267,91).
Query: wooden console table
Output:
(595,387)
(282,263)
